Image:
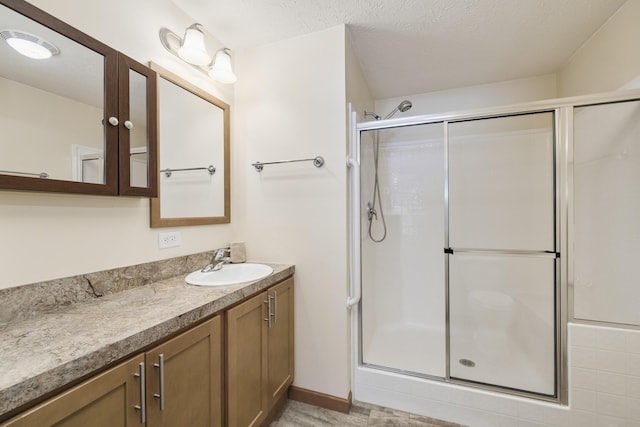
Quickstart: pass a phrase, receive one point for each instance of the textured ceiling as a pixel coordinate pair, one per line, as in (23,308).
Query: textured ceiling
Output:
(416,46)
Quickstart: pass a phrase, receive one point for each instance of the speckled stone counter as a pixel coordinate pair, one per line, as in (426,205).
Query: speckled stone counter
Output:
(44,353)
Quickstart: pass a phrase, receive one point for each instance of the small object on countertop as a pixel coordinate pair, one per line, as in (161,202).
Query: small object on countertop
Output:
(238,252)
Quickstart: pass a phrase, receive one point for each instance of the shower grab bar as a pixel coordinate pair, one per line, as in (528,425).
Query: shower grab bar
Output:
(545,254)
(318,161)
(38,175)
(353,165)
(211,169)
(355,288)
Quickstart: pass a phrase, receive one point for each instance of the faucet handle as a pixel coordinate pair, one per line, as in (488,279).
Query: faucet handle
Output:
(221,252)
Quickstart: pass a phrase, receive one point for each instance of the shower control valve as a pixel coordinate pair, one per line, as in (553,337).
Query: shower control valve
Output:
(371,212)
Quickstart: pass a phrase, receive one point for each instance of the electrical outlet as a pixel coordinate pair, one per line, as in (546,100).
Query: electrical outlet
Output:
(169,239)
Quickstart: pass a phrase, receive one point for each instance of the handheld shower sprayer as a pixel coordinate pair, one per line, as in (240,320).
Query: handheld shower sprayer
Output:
(372,213)
(402,107)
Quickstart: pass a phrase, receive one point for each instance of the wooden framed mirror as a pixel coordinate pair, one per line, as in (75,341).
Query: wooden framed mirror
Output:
(194,155)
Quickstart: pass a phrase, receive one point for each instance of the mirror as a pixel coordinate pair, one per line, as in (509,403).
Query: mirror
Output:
(64,118)
(193,155)
(138,131)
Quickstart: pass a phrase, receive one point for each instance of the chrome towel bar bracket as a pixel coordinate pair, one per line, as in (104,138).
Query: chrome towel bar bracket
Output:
(318,161)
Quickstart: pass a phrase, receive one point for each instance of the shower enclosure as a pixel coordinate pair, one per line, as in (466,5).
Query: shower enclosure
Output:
(460,261)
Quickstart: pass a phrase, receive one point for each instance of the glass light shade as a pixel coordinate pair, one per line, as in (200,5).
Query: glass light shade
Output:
(29,45)
(192,49)
(221,71)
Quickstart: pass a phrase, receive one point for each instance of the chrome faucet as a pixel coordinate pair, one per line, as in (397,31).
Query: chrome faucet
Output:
(221,256)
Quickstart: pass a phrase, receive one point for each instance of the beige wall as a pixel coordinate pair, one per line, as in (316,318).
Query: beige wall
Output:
(290,99)
(47,236)
(609,60)
(44,145)
(358,93)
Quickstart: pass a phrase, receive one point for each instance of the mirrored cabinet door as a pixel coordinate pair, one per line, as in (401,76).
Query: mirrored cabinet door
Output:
(138,128)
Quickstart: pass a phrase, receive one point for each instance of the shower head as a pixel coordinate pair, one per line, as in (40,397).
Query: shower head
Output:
(405,106)
(402,107)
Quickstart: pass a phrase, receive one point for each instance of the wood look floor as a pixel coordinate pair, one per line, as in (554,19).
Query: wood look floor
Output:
(298,414)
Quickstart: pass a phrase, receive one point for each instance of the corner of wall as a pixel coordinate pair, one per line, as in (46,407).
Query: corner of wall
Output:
(609,60)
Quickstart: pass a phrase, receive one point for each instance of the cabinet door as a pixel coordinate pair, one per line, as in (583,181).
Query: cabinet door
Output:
(106,400)
(280,340)
(246,366)
(137,130)
(184,379)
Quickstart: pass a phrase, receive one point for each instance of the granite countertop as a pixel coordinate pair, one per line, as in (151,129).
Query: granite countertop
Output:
(43,354)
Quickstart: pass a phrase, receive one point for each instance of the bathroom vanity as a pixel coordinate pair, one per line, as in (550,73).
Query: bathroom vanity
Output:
(164,353)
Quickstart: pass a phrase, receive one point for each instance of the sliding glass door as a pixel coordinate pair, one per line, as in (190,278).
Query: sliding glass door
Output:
(502,252)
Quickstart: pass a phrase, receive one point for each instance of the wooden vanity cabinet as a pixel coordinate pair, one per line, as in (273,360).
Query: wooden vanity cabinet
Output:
(184,379)
(108,400)
(185,373)
(259,355)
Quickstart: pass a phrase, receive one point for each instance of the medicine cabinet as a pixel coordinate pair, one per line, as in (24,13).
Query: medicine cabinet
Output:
(82,121)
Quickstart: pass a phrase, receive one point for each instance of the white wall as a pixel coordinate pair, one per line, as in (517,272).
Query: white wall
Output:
(609,60)
(290,99)
(474,97)
(47,236)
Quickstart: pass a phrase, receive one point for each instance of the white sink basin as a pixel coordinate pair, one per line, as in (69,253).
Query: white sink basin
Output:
(230,274)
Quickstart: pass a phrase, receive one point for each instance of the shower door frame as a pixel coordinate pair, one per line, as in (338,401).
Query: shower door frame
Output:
(563,193)
(559,147)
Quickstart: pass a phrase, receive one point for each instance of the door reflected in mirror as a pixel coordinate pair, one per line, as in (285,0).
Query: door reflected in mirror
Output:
(193,138)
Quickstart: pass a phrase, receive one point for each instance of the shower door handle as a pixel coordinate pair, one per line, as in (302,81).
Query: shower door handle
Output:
(499,252)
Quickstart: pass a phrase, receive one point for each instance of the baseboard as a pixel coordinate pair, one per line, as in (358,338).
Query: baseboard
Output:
(320,399)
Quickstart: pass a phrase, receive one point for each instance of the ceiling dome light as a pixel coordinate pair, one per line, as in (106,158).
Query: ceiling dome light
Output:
(221,70)
(29,45)
(192,49)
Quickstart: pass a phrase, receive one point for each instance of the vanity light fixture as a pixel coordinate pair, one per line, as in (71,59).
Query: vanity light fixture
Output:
(191,49)
(29,45)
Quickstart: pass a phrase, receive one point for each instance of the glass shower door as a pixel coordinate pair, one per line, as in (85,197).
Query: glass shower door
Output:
(403,278)
(502,257)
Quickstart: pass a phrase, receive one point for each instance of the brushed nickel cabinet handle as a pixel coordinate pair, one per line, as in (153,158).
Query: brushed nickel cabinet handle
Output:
(143,394)
(268,319)
(275,306)
(160,394)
